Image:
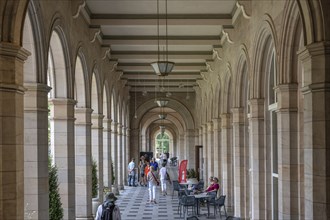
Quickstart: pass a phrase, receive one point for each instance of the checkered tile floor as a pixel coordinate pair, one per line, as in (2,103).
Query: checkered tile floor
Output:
(133,205)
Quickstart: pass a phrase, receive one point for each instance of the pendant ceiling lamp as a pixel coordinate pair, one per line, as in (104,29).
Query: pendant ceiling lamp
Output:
(162,67)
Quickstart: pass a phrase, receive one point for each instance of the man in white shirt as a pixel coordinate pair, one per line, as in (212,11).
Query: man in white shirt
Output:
(131,173)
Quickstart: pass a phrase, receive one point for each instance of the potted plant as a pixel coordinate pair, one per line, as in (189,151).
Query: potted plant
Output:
(192,176)
(95,199)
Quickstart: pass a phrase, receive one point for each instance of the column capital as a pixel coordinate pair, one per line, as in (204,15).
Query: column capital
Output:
(287,96)
(62,101)
(238,115)
(216,123)
(114,127)
(314,49)
(37,87)
(225,120)
(83,116)
(256,108)
(12,50)
(209,126)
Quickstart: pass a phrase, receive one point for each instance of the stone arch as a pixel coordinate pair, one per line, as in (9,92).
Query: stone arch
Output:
(12,16)
(314,20)
(265,42)
(106,97)
(226,94)
(291,34)
(81,82)
(218,98)
(174,104)
(241,79)
(113,102)
(35,67)
(96,91)
(61,79)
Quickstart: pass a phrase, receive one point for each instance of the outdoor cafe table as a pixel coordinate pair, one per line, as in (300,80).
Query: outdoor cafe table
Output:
(199,197)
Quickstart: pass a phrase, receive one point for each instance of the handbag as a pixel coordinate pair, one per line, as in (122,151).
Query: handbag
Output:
(155,179)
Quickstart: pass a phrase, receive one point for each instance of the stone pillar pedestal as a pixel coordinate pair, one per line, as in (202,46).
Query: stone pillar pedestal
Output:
(190,148)
(97,149)
(83,163)
(226,161)
(238,151)
(210,149)
(287,117)
(257,159)
(120,157)
(36,193)
(205,165)
(107,171)
(12,58)
(217,147)
(114,155)
(316,91)
(63,150)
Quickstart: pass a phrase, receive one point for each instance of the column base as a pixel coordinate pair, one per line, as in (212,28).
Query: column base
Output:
(115,190)
(84,218)
(121,187)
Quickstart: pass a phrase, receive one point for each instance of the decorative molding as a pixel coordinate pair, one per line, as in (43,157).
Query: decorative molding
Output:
(81,6)
(216,54)
(96,33)
(241,7)
(114,67)
(208,67)
(225,36)
(107,53)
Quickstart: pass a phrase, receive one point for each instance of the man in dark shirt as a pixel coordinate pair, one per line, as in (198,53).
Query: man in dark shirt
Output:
(154,164)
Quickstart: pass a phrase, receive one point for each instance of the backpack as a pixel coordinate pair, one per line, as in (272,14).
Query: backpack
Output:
(107,210)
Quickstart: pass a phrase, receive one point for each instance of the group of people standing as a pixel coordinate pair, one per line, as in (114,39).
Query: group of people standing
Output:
(150,175)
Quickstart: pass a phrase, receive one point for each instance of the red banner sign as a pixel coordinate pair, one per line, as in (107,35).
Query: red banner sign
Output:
(183,171)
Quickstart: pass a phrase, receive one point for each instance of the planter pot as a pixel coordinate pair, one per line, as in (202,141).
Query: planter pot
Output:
(95,205)
(191,181)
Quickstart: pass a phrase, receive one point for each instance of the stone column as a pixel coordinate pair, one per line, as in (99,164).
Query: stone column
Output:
(12,58)
(97,149)
(134,142)
(257,158)
(226,160)
(238,150)
(83,163)
(128,149)
(190,148)
(210,149)
(205,166)
(217,147)
(107,171)
(114,155)
(63,150)
(124,147)
(287,116)
(120,157)
(181,155)
(36,190)
(316,91)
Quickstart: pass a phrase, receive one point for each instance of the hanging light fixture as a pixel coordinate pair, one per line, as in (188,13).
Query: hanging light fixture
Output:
(161,102)
(162,67)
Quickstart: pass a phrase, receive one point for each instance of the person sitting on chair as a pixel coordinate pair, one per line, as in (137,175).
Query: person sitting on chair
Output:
(214,185)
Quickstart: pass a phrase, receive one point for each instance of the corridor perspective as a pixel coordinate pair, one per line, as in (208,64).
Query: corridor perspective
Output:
(234,89)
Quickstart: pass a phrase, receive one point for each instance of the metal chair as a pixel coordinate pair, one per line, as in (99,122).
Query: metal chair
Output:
(211,201)
(176,187)
(186,202)
(220,202)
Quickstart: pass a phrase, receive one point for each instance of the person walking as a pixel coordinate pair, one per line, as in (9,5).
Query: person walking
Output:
(108,209)
(163,178)
(152,182)
(131,173)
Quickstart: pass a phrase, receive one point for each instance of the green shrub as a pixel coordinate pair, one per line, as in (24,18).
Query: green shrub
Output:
(55,204)
(191,173)
(94,179)
(113,174)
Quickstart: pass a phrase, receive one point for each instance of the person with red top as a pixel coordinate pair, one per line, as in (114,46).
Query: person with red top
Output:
(214,185)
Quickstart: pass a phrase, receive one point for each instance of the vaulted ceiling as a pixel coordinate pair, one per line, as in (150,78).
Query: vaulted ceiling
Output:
(129,28)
